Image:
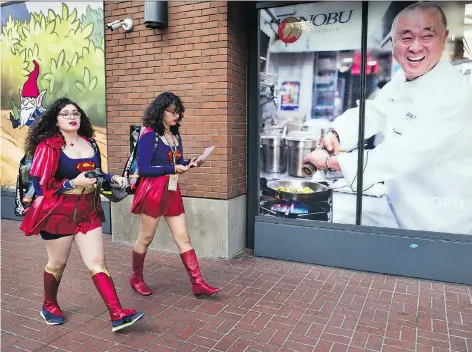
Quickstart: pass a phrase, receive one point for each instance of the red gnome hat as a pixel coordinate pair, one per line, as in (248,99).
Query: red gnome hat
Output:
(30,88)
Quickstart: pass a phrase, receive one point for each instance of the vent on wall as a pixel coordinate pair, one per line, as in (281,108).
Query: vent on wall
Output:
(155,14)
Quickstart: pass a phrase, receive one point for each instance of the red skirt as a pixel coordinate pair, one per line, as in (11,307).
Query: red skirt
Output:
(153,198)
(56,215)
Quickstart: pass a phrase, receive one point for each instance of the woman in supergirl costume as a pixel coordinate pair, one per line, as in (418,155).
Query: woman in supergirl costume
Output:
(158,193)
(64,209)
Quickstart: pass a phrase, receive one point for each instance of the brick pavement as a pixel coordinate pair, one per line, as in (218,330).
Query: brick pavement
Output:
(265,305)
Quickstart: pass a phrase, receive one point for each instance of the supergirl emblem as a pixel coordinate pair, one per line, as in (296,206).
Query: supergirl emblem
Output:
(178,155)
(84,166)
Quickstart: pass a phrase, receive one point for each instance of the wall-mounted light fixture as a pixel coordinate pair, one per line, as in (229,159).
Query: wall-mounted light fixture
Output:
(126,24)
(155,14)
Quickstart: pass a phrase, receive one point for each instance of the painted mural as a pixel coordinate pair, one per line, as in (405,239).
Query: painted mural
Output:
(49,50)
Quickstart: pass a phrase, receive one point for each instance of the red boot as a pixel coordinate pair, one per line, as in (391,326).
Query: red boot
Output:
(199,287)
(137,279)
(120,318)
(50,311)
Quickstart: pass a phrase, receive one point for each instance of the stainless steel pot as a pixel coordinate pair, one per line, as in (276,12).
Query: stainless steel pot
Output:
(274,154)
(298,149)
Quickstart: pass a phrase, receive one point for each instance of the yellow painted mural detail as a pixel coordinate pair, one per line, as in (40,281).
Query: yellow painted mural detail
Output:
(49,56)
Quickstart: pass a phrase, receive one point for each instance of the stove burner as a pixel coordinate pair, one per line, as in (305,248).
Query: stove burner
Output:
(285,207)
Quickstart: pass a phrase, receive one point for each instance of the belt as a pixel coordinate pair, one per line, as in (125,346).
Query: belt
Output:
(79,191)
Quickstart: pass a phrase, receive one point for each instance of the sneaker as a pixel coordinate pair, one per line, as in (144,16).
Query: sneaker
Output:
(126,321)
(50,318)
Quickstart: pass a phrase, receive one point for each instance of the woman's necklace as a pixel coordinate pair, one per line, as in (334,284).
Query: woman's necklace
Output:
(73,143)
(170,136)
(173,146)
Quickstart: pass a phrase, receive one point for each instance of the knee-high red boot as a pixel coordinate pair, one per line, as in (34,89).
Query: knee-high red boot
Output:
(137,279)
(199,286)
(120,318)
(50,311)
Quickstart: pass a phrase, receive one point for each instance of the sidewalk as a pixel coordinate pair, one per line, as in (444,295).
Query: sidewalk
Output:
(265,305)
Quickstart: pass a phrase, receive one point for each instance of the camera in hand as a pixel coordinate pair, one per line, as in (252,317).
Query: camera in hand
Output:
(110,190)
(98,174)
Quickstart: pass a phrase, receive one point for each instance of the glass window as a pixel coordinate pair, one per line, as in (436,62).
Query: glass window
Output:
(417,172)
(306,53)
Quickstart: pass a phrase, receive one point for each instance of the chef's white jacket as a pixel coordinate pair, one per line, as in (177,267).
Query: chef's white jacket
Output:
(426,156)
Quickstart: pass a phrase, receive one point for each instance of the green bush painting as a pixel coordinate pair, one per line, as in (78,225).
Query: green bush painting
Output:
(70,52)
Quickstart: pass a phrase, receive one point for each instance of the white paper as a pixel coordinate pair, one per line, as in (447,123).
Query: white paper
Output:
(205,154)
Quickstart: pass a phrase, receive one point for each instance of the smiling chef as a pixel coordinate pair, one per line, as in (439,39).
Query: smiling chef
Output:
(425,114)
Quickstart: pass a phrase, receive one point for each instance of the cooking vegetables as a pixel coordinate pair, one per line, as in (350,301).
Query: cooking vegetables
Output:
(295,190)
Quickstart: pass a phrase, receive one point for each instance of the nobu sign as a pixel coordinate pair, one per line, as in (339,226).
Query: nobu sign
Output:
(290,29)
(329,18)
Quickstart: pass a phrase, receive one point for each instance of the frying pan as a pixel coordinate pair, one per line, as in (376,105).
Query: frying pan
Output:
(319,190)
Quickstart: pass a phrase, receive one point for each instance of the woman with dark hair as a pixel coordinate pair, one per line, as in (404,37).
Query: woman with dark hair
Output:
(158,192)
(61,143)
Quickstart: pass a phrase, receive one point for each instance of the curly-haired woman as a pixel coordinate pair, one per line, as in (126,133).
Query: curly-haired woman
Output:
(64,211)
(158,193)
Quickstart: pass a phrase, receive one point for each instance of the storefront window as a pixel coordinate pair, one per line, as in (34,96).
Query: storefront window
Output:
(305,54)
(417,172)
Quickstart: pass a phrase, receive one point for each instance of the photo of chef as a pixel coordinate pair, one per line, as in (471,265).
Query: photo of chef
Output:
(417,172)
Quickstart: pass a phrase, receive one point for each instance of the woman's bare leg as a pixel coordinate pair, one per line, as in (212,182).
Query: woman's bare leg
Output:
(58,251)
(91,247)
(147,230)
(178,228)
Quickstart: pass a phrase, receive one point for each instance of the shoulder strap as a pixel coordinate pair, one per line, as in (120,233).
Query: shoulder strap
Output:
(141,131)
(19,208)
(94,145)
(132,159)
(156,140)
(20,186)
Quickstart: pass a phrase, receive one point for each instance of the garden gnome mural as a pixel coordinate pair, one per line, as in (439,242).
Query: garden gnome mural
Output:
(48,50)
(30,101)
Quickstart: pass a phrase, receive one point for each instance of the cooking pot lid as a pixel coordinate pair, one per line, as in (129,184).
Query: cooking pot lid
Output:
(272,141)
(271,137)
(300,139)
(301,142)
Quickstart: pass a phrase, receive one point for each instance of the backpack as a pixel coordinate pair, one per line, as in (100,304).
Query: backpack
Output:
(24,193)
(131,171)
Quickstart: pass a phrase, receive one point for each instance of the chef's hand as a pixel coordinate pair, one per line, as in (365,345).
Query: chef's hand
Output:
(180,169)
(322,160)
(121,181)
(318,158)
(83,182)
(330,142)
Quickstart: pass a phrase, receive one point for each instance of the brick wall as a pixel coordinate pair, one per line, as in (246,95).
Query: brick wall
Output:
(201,57)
